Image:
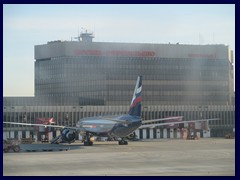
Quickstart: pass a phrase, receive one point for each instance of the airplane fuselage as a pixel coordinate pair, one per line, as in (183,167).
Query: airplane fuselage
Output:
(113,126)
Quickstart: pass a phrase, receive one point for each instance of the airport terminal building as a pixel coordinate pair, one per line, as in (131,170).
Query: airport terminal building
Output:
(75,79)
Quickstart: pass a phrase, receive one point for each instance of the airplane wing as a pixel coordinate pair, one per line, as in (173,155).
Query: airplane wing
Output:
(172,123)
(74,128)
(90,127)
(177,118)
(145,124)
(45,125)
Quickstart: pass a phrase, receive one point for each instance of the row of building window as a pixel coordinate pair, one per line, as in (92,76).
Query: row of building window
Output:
(226,118)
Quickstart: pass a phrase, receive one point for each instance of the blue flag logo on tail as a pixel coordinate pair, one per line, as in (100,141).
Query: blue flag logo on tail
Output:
(135,107)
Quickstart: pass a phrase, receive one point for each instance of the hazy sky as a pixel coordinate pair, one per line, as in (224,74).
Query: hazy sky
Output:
(27,25)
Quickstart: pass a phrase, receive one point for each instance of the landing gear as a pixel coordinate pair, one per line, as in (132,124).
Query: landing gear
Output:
(87,141)
(122,142)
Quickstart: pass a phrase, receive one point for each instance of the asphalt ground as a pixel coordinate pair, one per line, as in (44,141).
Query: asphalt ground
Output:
(165,157)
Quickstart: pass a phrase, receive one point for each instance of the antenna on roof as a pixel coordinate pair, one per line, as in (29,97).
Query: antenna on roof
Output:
(78,37)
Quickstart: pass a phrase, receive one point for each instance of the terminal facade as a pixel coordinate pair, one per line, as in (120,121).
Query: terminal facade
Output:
(75,79)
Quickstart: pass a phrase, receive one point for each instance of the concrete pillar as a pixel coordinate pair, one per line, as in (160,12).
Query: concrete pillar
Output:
(27,134)
(35,137)
(178,134)
(184,133)
(80,137)
(50,136)
(43,136)
(144,133)
(137,132)
(58,132)
(158,133)
(11,134)
(164,133)
(19,135)
(171,133)
(5,135)
(198,135)
(206,133)
(151,133)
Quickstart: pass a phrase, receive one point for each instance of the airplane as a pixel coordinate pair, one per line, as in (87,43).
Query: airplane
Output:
(119,126)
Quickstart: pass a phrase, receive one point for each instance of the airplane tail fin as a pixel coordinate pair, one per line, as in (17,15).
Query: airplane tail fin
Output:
(135,107)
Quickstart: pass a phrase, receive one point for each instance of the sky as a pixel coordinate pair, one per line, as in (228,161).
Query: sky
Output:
(27,25)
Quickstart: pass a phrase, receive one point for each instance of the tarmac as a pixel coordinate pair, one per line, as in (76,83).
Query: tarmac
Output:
(164,157)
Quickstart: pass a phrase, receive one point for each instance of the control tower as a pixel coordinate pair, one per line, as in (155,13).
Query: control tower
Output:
(85,37)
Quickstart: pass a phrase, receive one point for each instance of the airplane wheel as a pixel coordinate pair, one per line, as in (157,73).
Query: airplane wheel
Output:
(16,148)
(122,142)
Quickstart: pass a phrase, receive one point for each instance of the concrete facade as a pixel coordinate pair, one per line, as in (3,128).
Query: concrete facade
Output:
(69,115)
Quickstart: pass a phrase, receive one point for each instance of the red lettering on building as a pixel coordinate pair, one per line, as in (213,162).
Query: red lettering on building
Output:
(208,56)
(79,52)
(87,52)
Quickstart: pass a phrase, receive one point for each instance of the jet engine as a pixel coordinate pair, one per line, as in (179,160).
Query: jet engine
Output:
(68,135)
(132,136)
